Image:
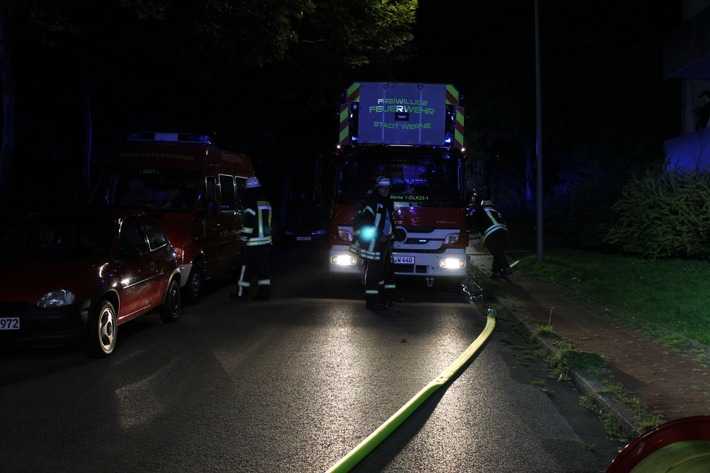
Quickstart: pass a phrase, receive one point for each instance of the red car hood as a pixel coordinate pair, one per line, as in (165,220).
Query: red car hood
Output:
(28,281)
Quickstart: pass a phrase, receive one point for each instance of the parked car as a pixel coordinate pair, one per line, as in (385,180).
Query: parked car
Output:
(307,227)
(74,277)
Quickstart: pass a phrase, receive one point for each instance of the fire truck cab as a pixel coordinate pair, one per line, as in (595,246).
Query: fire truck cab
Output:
(413,134)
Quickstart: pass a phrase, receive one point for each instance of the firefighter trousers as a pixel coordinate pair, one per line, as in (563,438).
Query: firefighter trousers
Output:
(379,275)
(255,263)
(497,242)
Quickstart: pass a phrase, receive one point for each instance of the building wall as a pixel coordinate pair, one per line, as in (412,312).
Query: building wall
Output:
(687,58)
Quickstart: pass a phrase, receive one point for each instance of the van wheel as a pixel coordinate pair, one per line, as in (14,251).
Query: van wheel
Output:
(170,310)
(103,330)
(195,284)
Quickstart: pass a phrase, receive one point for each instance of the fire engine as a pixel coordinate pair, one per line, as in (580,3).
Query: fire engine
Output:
(412,133)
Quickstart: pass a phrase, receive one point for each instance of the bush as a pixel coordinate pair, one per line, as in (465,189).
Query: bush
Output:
(664,216)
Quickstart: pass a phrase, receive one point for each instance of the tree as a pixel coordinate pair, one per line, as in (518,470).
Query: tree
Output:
(252,71)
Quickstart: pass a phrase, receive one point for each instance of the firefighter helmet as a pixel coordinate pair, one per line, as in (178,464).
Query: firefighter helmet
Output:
(383,181)
(253,182)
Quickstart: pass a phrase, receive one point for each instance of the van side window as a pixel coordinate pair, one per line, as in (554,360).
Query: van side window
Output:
(229,196)
(210,189)
(241,184)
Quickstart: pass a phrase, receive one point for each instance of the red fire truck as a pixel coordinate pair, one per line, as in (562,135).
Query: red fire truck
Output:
(413,134)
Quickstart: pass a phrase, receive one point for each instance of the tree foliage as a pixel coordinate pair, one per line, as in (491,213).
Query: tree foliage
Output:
(258,74)
(226,45)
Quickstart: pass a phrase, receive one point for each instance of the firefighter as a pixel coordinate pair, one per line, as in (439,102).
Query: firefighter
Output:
(256,243)
(374,246)
(494,235)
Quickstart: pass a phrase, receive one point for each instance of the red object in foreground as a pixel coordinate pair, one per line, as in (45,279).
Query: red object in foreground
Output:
(681,446)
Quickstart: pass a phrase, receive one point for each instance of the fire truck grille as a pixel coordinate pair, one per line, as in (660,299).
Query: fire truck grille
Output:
(410,268)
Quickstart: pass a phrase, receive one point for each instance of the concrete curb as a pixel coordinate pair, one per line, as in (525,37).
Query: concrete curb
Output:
(587,383)
(592,386)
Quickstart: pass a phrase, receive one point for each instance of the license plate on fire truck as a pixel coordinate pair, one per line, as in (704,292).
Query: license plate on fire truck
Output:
(403,259)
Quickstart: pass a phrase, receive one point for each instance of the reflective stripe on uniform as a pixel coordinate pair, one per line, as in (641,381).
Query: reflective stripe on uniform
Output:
(491,229)
(258,241)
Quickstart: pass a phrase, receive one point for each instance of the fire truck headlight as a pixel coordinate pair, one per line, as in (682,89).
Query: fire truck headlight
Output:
(452,263)
(344,235)
(451,239)
(343,260)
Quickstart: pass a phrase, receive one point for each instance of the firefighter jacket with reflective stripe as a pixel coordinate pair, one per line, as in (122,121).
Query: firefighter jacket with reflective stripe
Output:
(376,230)
(489,220)
(257,223)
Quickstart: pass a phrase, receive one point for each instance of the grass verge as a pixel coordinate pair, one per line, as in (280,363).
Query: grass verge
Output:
(671,294)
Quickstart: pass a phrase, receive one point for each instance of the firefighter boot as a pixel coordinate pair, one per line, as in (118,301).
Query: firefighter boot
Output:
(372,302)
(264,293)
(382,298)
(242,294)
(392,296)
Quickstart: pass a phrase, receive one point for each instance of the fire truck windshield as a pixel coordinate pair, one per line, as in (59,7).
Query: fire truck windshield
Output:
(415,176)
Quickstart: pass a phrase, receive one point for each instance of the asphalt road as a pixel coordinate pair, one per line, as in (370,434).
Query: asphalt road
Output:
(292,385)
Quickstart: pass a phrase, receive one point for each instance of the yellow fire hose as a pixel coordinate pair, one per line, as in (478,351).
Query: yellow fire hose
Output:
(356,455)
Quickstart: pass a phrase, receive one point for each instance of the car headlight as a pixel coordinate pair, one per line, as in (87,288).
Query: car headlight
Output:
(58,298)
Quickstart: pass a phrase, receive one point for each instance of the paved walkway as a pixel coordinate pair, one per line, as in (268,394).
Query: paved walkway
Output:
(666,380)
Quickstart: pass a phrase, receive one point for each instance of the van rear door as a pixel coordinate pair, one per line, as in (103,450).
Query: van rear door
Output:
(221,226)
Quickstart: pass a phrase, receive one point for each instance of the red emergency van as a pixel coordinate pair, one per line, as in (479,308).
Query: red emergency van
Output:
(192,188)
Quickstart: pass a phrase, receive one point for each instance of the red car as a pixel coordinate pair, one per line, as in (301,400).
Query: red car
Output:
(73,278)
